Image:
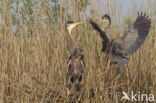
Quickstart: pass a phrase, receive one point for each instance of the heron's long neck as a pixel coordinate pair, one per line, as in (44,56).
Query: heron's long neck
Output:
(74,43)
(106,27)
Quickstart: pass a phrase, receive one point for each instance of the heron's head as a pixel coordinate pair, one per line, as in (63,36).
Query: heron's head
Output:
(106,18)
(70,25)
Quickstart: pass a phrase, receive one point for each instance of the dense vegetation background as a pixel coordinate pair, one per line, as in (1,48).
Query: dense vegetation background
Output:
(34,49)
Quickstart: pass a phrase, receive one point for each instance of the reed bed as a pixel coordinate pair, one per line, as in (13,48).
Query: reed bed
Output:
(34,49)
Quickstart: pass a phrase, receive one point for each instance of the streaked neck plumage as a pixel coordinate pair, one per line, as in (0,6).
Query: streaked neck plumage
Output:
(73,42)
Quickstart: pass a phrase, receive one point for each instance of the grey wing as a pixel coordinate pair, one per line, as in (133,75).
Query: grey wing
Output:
(136,34)
(119,54)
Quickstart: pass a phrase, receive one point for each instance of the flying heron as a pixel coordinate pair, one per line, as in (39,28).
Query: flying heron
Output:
(119,50)
(76,63)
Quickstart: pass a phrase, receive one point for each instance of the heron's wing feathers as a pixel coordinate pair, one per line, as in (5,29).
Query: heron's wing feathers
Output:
(136,34)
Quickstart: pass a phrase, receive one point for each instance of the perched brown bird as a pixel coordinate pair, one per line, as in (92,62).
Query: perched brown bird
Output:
(119,50)
(76,63)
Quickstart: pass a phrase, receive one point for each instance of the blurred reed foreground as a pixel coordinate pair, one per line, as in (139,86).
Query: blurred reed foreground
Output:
(34,49)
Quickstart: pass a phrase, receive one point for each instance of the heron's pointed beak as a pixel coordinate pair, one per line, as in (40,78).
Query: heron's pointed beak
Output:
(71,26)
(102,20)
(75,24)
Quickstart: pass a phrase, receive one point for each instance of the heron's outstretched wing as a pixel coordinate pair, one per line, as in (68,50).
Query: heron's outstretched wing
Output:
(136,34)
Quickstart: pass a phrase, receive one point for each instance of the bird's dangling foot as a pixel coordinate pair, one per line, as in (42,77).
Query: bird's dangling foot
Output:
(107,70)
(106,73)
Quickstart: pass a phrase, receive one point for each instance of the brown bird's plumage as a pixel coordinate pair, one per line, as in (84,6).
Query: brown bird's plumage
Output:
(129,43)
(76,63)
(75,72)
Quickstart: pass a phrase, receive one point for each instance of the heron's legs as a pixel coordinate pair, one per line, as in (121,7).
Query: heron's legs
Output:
(108,69)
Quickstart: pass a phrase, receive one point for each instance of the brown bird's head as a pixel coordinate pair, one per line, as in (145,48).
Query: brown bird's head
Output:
(70,25)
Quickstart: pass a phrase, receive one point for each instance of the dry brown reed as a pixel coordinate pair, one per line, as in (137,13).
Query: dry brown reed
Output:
(33,59)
